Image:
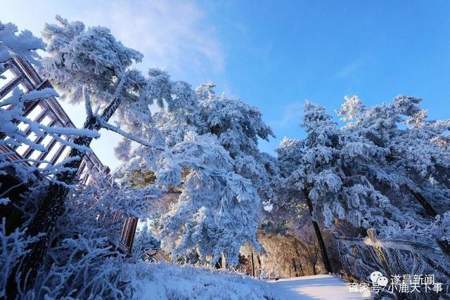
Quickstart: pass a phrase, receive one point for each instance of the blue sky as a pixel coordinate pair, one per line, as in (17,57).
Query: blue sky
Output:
(276,54)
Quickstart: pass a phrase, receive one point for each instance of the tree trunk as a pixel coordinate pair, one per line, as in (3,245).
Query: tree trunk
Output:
(253,265)
(320,241)
(52,207)
(294,267)
(430,211)
(224,261)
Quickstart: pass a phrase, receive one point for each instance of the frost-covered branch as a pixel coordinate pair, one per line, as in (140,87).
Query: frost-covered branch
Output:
(55,132)
(127,135)
(87,104)
(31,96)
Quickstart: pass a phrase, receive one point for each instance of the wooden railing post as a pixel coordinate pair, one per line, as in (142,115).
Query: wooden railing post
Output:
(128,233)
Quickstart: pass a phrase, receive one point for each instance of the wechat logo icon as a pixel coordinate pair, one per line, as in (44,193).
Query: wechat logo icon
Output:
(378,279)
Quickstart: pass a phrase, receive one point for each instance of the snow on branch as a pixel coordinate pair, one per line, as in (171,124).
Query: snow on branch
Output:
(56,131)
(31,96)
(87,104)
(127,135)
(21,43)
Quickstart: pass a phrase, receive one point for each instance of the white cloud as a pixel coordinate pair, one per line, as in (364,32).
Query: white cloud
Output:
(173,35)
(350,69)
(292,113)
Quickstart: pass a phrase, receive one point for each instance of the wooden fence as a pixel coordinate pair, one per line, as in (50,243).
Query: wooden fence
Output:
(17,73)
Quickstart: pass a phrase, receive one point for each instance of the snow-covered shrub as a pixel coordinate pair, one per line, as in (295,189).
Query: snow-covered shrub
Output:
(145,243)
(86,261)
(13,248)
(81,268)
(99,210)
(442,228)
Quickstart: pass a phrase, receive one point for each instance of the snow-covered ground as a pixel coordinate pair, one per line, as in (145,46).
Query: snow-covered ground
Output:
(167,281)
(316,287)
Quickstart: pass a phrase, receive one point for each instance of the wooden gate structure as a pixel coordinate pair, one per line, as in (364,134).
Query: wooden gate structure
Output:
(17,73)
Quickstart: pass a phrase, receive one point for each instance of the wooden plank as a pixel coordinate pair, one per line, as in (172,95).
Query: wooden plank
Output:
(27,75)
(38,141)
(128,233)
(10,86)
(38,119)
(49,148)
(57,154)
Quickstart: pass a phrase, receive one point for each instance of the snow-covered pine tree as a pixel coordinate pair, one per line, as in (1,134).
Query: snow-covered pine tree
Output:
(415,147)
(235,128)
(322,171)
(302,162)
(414,170)
(89,65)
(238,127)
(217,211)
(366,174)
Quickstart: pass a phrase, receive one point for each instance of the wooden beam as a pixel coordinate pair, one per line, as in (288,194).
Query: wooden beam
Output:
(128,233)
(10,86)
(38,141)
